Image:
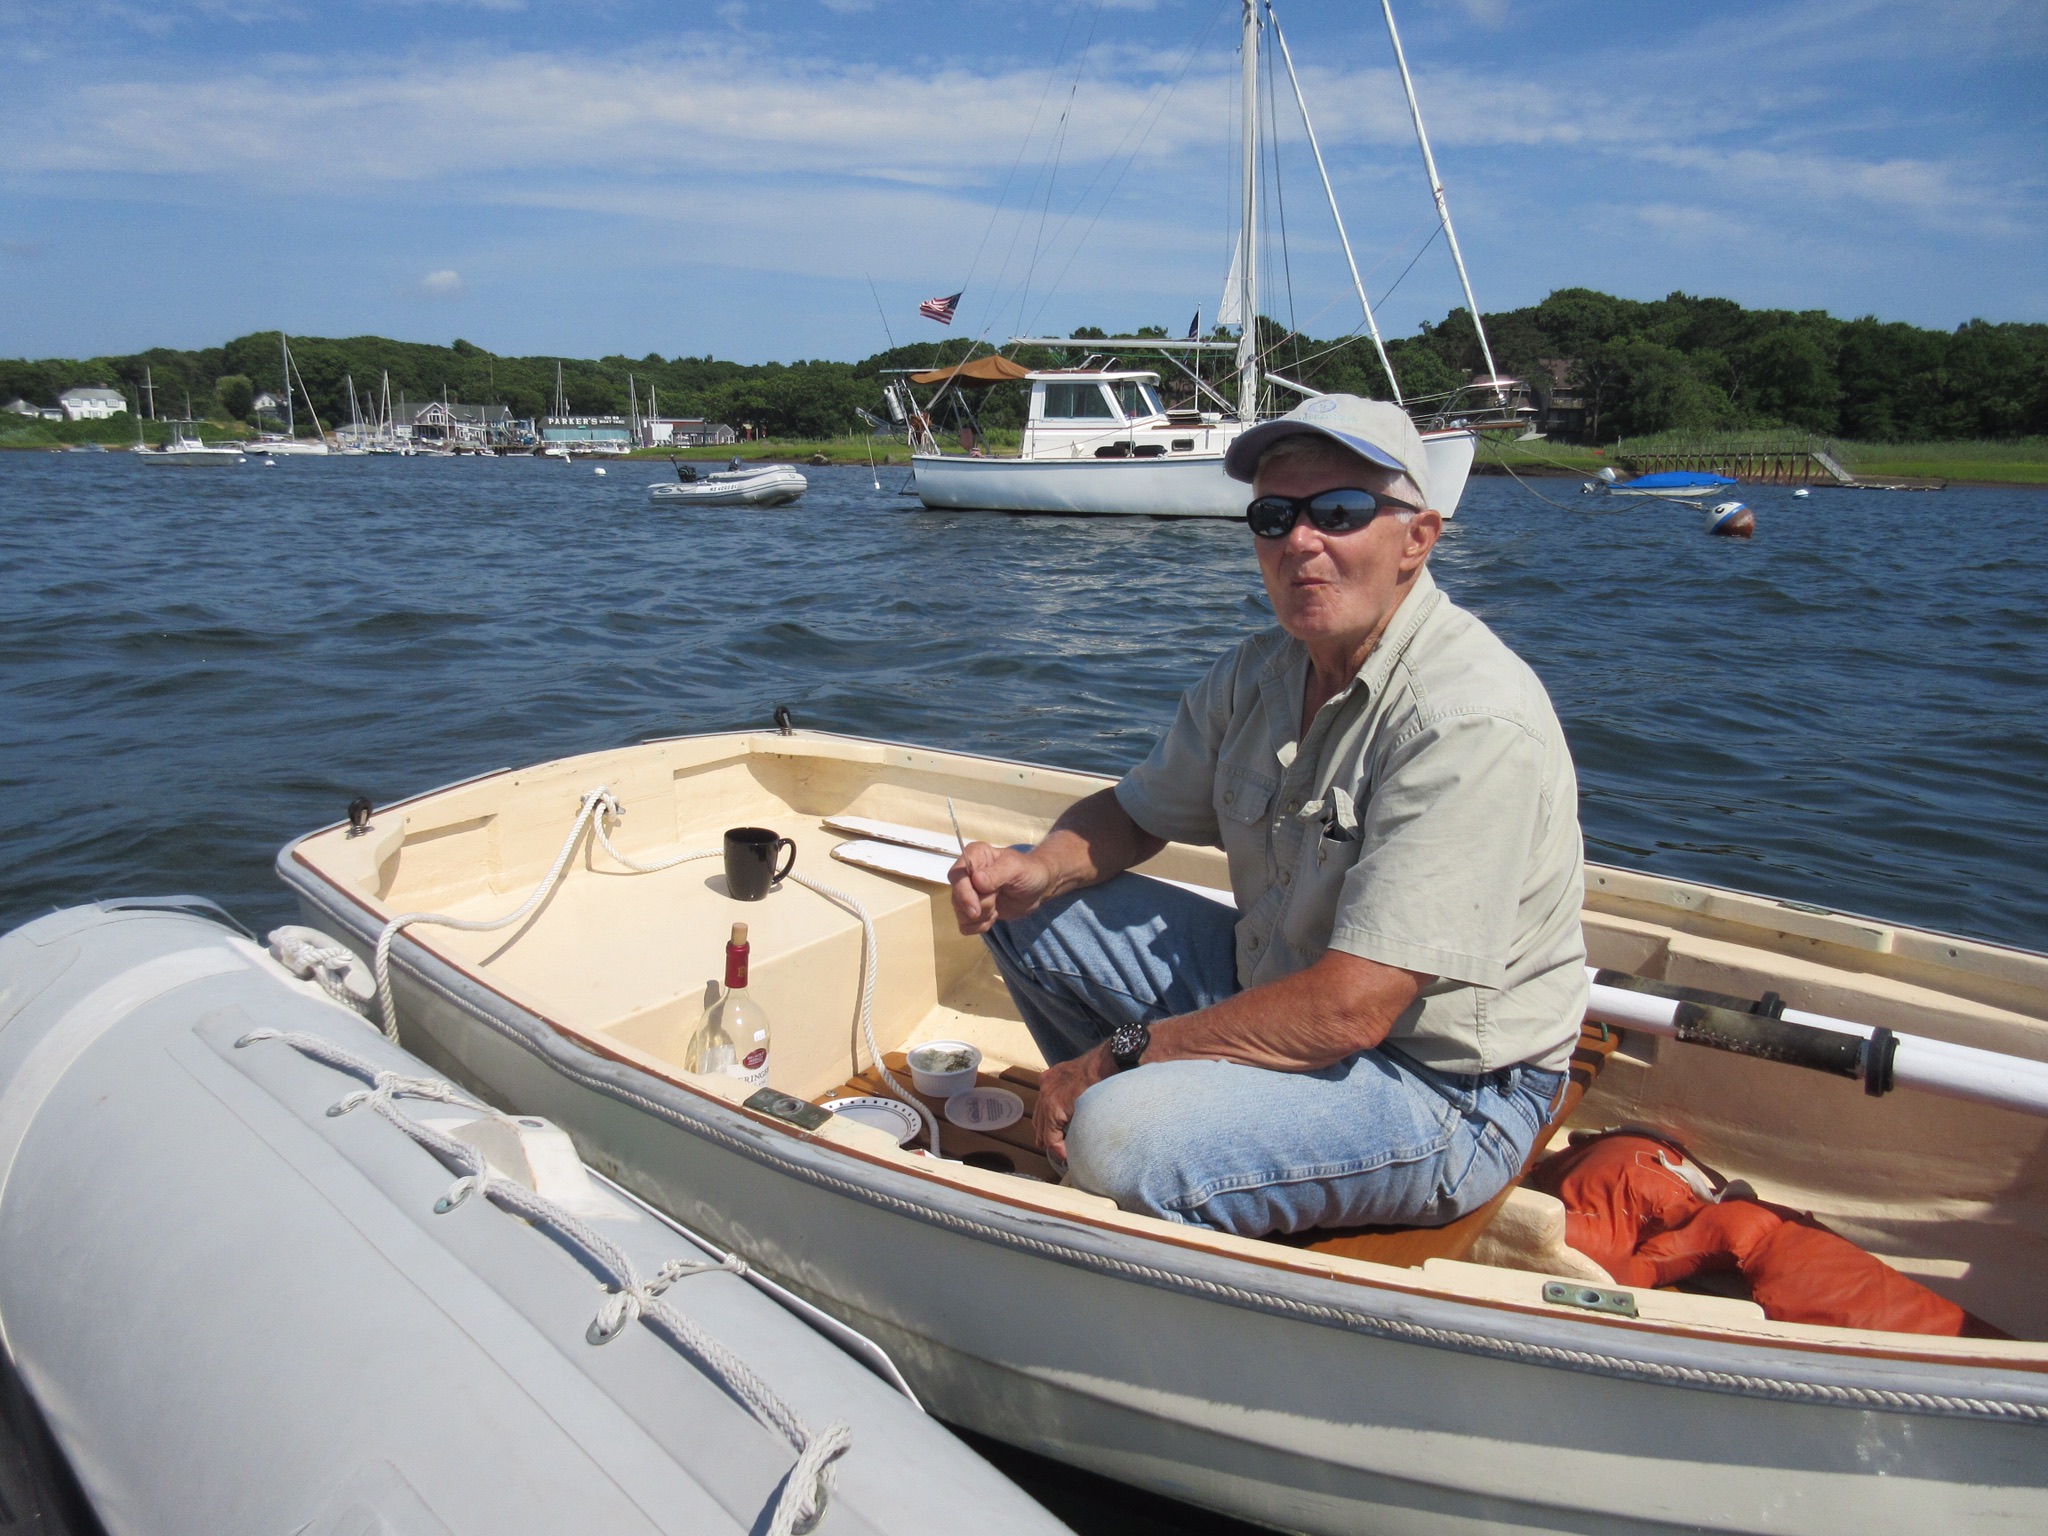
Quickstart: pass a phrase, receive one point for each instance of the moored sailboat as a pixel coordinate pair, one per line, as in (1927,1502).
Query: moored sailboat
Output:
(1123,454)
(273,444)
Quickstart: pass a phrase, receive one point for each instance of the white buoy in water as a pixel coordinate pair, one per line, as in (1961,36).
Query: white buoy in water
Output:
(1802,492)
(1731,520)
(600,469)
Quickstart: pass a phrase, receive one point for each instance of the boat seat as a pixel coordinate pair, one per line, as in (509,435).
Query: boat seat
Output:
(1411,1247)
(1013,1150)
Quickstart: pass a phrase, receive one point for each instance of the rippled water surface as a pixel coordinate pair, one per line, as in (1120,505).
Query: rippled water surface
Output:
(1852,709)
(195,665)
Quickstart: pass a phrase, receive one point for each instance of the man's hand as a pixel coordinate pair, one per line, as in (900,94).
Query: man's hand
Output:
(1059,1089)
(991,883)
(1093,841)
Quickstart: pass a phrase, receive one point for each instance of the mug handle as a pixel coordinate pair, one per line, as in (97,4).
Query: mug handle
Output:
(787,864)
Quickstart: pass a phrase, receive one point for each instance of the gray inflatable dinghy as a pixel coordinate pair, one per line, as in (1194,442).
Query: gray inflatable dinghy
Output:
(261,1271)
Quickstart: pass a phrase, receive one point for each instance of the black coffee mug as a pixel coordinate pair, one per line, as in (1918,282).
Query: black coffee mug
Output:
(750,854)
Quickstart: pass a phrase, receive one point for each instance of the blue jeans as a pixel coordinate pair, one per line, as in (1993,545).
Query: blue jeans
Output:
(1376,1138)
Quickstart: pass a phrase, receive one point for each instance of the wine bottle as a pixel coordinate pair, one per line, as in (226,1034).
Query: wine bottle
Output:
(732,1037)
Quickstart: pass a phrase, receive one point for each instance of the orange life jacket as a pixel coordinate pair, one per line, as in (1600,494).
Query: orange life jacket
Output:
(1639,1207)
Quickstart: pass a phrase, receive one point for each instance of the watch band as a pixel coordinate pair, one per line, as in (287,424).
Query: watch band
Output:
(1127,1045)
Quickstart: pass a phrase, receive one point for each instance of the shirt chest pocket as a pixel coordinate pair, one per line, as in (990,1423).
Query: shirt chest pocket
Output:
(1243,800)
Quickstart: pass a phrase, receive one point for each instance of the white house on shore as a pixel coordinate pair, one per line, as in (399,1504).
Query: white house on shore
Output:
(92,404)
(20,407)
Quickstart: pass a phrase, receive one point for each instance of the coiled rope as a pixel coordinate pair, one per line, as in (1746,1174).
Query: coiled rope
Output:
(598,805)
(630,1295)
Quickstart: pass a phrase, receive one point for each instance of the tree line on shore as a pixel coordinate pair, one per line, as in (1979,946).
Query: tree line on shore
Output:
(1679,363)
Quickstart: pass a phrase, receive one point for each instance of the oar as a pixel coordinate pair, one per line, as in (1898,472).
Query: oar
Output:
(1881,1059)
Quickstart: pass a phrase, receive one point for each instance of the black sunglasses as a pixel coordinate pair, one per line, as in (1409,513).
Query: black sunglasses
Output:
(1344,510)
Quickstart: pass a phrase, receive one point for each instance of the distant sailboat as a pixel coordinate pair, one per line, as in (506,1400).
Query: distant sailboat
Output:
(355,441)
(274,445)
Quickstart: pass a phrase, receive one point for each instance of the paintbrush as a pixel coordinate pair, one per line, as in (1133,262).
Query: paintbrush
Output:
(956,824)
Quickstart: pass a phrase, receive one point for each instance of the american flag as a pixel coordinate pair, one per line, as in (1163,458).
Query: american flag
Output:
(940,310)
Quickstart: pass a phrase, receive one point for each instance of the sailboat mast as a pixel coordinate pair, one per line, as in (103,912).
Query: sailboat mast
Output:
(1357,282)
(1248,235)
(1436,187)
(284,353)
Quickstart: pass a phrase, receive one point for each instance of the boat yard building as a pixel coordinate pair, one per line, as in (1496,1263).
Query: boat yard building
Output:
(684,432)
(587,434)
(442,424)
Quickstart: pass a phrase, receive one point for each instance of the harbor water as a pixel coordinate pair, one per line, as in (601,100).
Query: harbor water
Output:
(1850,710)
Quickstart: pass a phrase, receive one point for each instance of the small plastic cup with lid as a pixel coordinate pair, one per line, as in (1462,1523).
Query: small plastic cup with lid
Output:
(942,1068)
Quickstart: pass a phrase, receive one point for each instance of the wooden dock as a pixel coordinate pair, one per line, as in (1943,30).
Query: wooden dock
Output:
(1790,463)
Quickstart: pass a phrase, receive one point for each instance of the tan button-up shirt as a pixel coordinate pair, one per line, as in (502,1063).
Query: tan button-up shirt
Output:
(1428,820)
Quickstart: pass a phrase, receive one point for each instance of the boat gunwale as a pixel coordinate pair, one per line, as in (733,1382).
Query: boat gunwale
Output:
(1975,942)
(817,1167)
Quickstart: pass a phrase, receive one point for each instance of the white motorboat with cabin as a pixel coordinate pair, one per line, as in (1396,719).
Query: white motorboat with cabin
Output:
(1097,439)
(186,450)
(261,1271)
(546,934)
(749,485)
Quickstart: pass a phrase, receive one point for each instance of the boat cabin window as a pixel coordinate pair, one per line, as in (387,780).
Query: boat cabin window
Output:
(1070,402)
(1137,399)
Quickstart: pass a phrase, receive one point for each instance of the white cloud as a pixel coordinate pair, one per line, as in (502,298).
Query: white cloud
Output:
(751,153)
(716,105)
(444,284)
(1491,14)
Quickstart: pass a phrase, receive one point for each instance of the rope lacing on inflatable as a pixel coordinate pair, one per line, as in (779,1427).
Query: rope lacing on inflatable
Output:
(630,1295)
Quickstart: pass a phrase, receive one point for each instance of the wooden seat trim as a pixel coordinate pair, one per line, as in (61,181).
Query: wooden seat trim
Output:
(1410,1247)
(1014,1149)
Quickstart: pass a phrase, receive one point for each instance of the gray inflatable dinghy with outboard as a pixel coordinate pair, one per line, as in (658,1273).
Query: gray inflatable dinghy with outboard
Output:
(261,1271)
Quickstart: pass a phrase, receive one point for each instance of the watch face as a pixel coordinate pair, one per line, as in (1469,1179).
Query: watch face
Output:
(1128,1043)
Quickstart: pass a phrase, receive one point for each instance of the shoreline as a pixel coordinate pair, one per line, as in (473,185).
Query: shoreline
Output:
(813,453)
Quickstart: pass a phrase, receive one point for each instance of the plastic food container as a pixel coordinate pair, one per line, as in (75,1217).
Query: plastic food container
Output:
(942,1068)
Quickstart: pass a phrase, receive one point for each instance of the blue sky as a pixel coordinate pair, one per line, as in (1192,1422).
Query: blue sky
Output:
(621,177)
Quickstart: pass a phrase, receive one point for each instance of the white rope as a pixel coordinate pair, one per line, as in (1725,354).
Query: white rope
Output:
(630,1296)
(599,804)
(325,964)
(386,1004)
(870,950)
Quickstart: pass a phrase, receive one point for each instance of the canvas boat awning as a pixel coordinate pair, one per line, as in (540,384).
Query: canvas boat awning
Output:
(983,370)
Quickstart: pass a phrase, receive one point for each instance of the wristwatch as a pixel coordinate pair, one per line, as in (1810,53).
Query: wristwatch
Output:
(1127,1044)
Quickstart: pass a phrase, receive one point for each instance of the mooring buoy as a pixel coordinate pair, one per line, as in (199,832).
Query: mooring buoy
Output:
(1731,520)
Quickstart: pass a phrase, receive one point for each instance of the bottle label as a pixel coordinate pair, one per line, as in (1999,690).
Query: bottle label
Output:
(752,1069)
(756,1060)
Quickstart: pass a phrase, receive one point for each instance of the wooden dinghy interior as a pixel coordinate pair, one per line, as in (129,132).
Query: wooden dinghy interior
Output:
(1948,1190)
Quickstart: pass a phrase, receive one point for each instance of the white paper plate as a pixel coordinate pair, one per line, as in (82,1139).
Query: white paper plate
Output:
(891,1115)
(984,1109)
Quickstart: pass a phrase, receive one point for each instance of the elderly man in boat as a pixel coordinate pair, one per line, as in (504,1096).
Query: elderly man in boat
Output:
(1378,1031)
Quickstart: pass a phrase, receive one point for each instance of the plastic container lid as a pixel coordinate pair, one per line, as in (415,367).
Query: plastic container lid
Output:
(984,1109)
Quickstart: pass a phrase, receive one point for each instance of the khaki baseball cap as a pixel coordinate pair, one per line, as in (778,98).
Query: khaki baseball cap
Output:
(1376,430)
